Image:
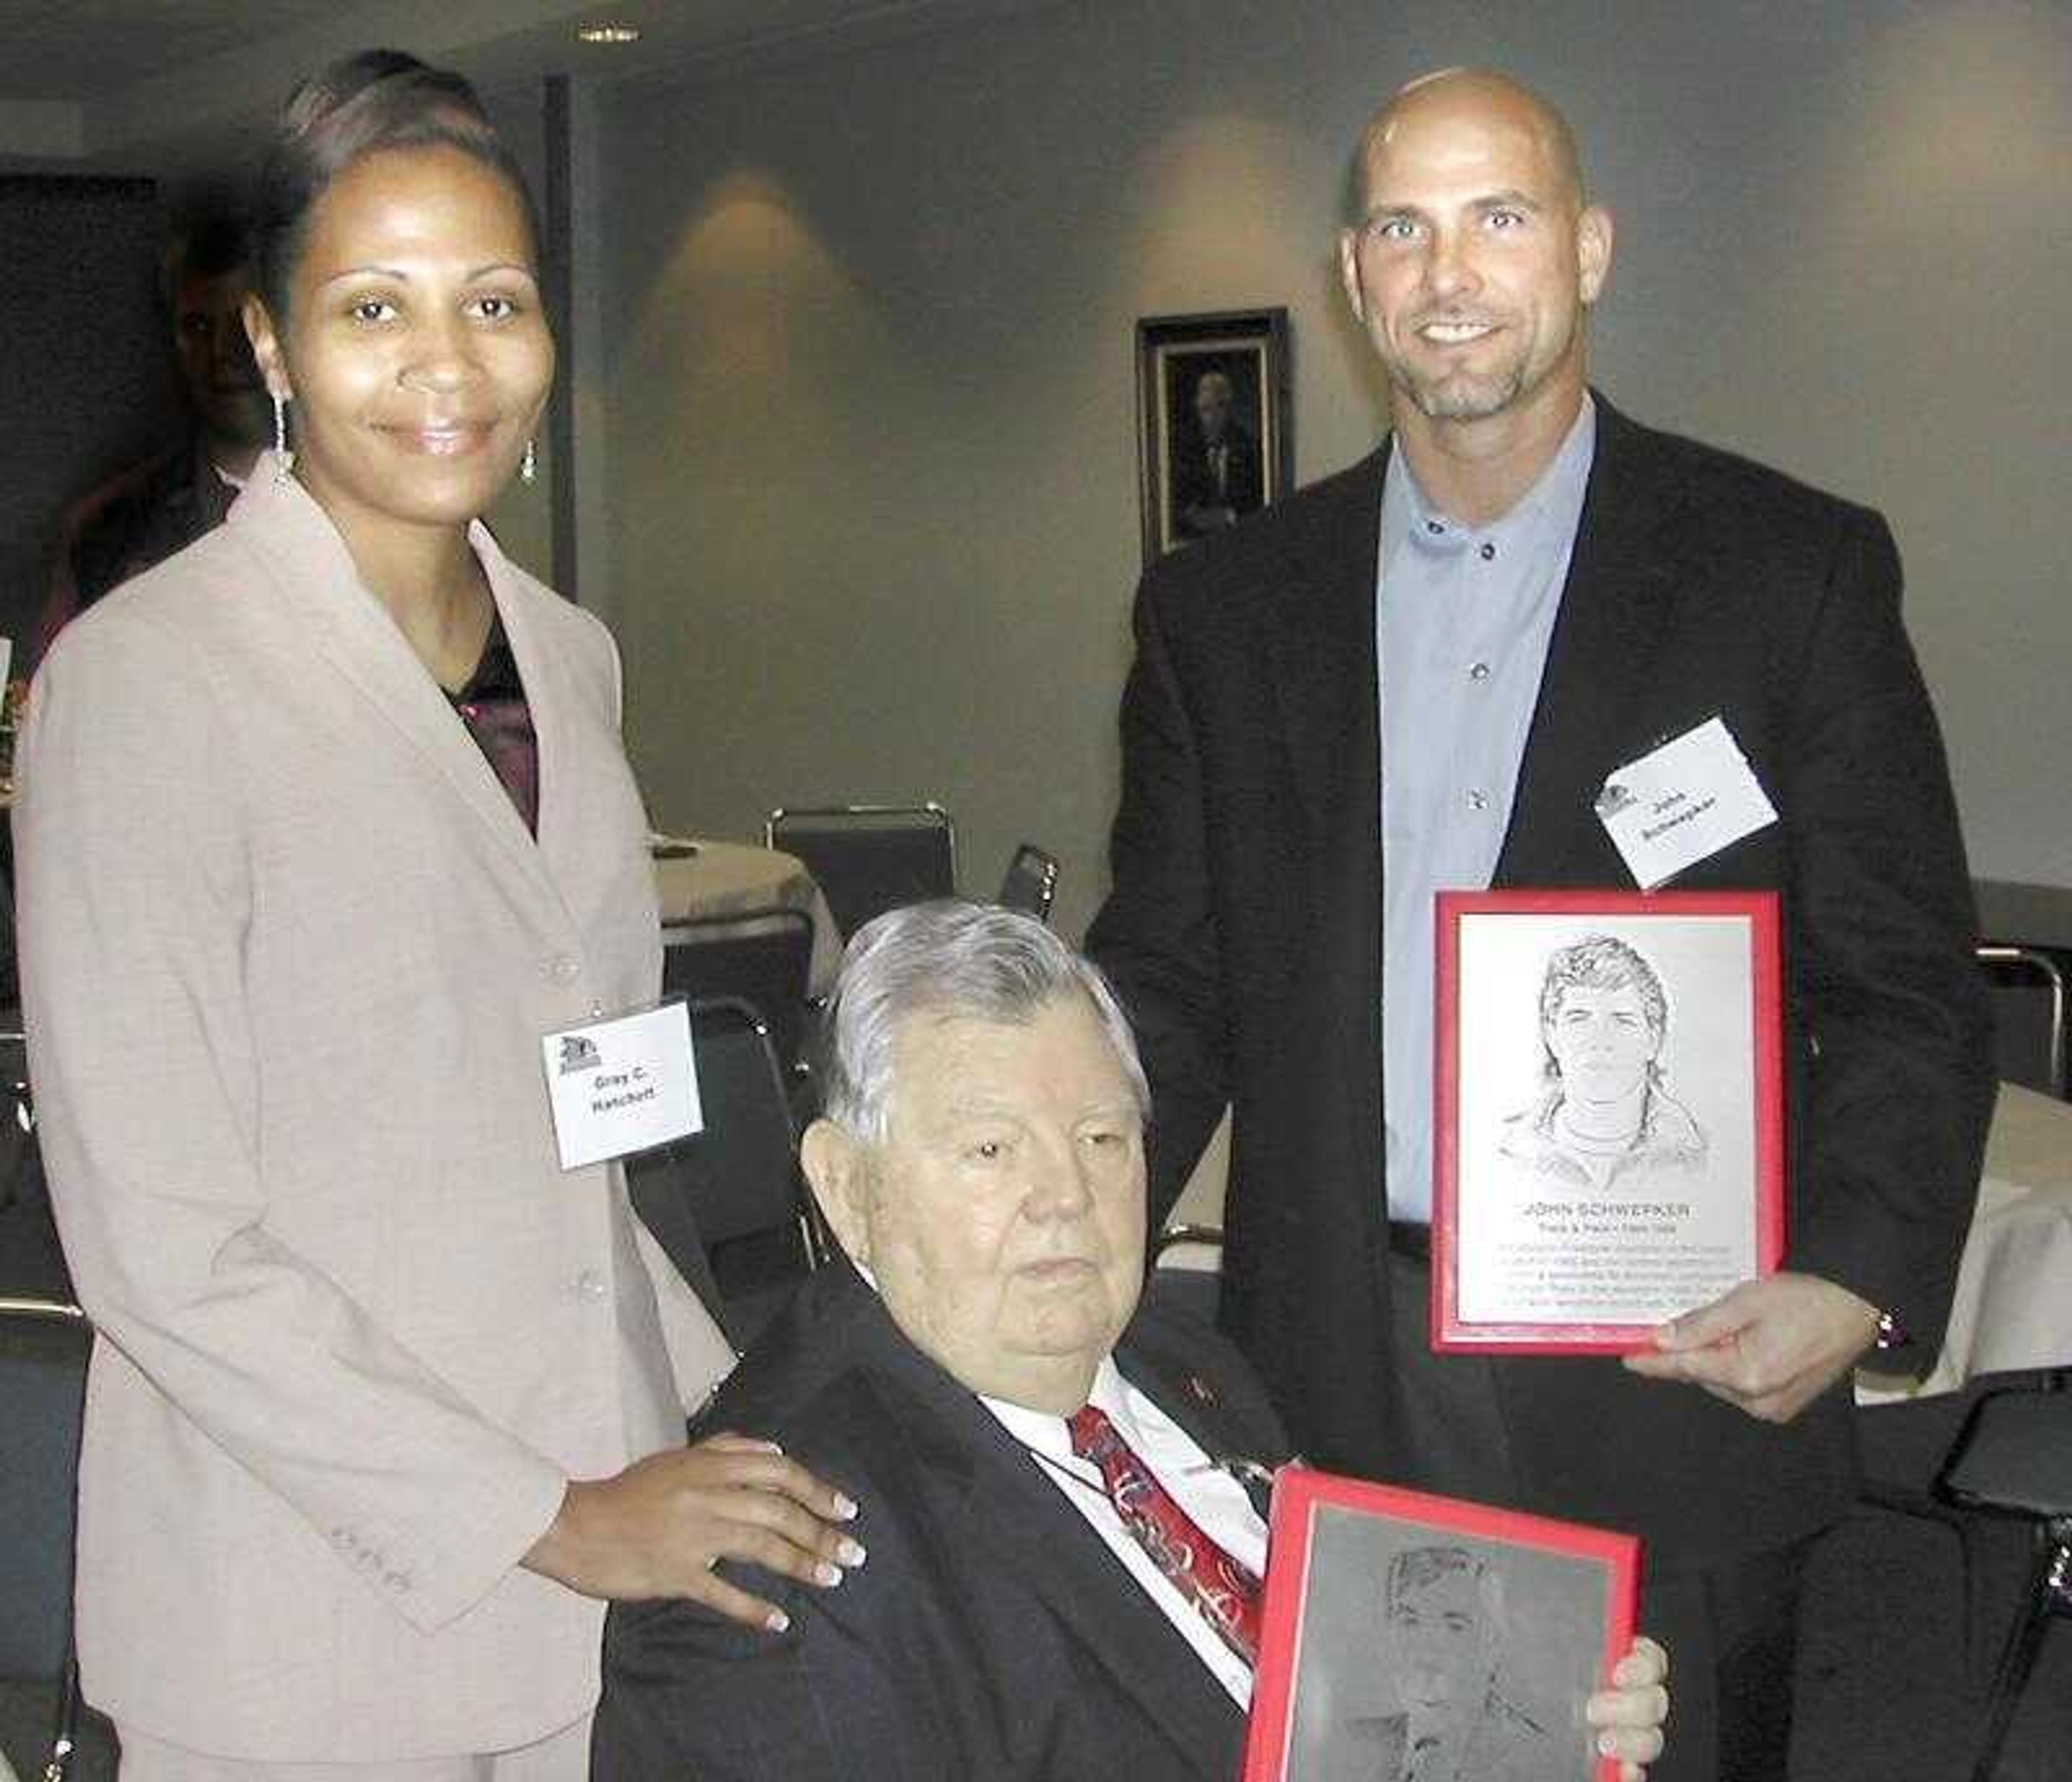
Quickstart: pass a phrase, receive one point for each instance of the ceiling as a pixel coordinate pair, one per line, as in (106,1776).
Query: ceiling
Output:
(159,86)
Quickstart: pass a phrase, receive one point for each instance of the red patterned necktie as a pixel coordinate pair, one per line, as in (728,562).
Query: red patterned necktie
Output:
(1225,1592)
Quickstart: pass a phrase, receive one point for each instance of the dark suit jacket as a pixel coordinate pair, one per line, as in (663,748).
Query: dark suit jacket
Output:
(1244,932)
(990,1634)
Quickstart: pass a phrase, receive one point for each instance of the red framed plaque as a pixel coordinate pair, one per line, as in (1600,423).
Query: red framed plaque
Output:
(1609,1126)
(1396,1620)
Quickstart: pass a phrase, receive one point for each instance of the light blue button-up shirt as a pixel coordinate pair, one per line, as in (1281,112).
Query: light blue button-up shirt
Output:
(1462,620)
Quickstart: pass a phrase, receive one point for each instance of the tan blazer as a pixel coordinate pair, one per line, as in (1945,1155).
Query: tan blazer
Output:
(288,954)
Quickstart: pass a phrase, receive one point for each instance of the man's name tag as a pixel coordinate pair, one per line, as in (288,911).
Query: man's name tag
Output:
(622,1084)
(1683,803)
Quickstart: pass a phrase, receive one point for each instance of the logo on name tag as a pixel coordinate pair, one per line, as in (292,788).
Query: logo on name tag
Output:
(579,1052)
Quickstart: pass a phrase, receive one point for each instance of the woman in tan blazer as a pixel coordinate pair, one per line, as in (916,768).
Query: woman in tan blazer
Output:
(324,823)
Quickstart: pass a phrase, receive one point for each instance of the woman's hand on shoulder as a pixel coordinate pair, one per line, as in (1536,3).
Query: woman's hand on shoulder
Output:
(658,1528)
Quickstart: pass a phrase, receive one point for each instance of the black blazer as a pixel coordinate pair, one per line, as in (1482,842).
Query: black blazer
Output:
(990,1633)
(1244,932)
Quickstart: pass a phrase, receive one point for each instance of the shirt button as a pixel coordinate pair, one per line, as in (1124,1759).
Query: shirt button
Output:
(1433,527)
(561,969)
(1477,801)
(1479,671)
(1489,553)
(588,1285)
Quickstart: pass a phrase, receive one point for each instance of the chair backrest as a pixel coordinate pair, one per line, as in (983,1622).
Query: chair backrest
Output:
(44,1349)
(2014,1455)
(728,1204)
(1031,882)
(761,957)
(2028,1016)
(870,858)
(1186,1270)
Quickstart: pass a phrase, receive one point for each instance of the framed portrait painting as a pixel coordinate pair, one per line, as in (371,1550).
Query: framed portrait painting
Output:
(1609,1141)
(1213,442)
(1409,1635)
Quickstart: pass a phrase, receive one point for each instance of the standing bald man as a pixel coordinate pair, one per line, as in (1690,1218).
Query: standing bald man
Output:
(1417,675)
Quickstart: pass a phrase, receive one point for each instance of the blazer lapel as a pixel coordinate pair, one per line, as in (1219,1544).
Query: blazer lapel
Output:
(352,633)
(559,731)
(1323,646)
(1022,1521)
(1036,1533)
(1320,640)
(1621,584)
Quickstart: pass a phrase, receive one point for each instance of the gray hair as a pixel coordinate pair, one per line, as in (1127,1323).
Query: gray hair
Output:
(952,961)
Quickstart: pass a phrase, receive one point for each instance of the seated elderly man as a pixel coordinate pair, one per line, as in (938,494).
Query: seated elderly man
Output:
(983,1385)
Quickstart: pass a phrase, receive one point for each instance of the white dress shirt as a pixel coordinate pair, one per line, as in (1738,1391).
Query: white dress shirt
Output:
(1216,1501)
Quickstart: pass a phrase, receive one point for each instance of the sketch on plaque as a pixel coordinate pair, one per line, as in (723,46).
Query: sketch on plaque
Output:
(1451,1684)
(1604,1121)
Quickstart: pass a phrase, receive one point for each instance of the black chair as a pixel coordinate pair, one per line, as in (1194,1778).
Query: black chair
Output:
(2014,1459)
(2029,1015)
(763,957)
(44,1349)
(1031,882)
(870,858)
(32,1265)
(728,1204)
(1187,1284)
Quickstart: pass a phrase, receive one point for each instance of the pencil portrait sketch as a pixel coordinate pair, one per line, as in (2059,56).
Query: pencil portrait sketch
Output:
(1604,1121)
(1444,1635)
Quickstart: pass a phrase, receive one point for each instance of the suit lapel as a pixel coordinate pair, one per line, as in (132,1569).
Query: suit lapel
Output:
(1223,1410)
(1621,587)
(559,731)
(1041,1538)
(1320,638)
(1022,1521)
(353,634)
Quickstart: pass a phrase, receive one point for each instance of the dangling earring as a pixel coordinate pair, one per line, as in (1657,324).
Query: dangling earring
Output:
(528,467)
(284,459)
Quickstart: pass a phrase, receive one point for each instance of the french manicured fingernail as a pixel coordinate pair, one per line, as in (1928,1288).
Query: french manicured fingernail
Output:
(845,1507)
(850,1553)
(825,1573)
(777,1621)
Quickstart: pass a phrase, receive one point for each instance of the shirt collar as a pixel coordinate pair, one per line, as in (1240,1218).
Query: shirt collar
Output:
(1554,502)
(1045,1431)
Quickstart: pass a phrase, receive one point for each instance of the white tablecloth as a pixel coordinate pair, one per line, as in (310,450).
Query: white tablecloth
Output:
(2013,1305)
(731,879)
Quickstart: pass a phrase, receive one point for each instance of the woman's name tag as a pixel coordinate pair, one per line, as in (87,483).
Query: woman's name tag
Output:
(622,1084)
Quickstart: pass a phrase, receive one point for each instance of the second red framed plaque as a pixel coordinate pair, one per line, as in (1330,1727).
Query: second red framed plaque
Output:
(1609,1126)
(1406,1634)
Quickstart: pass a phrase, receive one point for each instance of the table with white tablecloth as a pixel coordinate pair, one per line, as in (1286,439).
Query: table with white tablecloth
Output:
(2013,1305)
(721,879)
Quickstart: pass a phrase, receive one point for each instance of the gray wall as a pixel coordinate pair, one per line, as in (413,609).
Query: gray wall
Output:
(863,372)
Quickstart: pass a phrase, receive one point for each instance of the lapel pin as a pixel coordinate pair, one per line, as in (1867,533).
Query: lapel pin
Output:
(1200,1388)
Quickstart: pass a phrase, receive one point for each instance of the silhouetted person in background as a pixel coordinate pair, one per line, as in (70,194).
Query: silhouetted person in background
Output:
(144,513)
